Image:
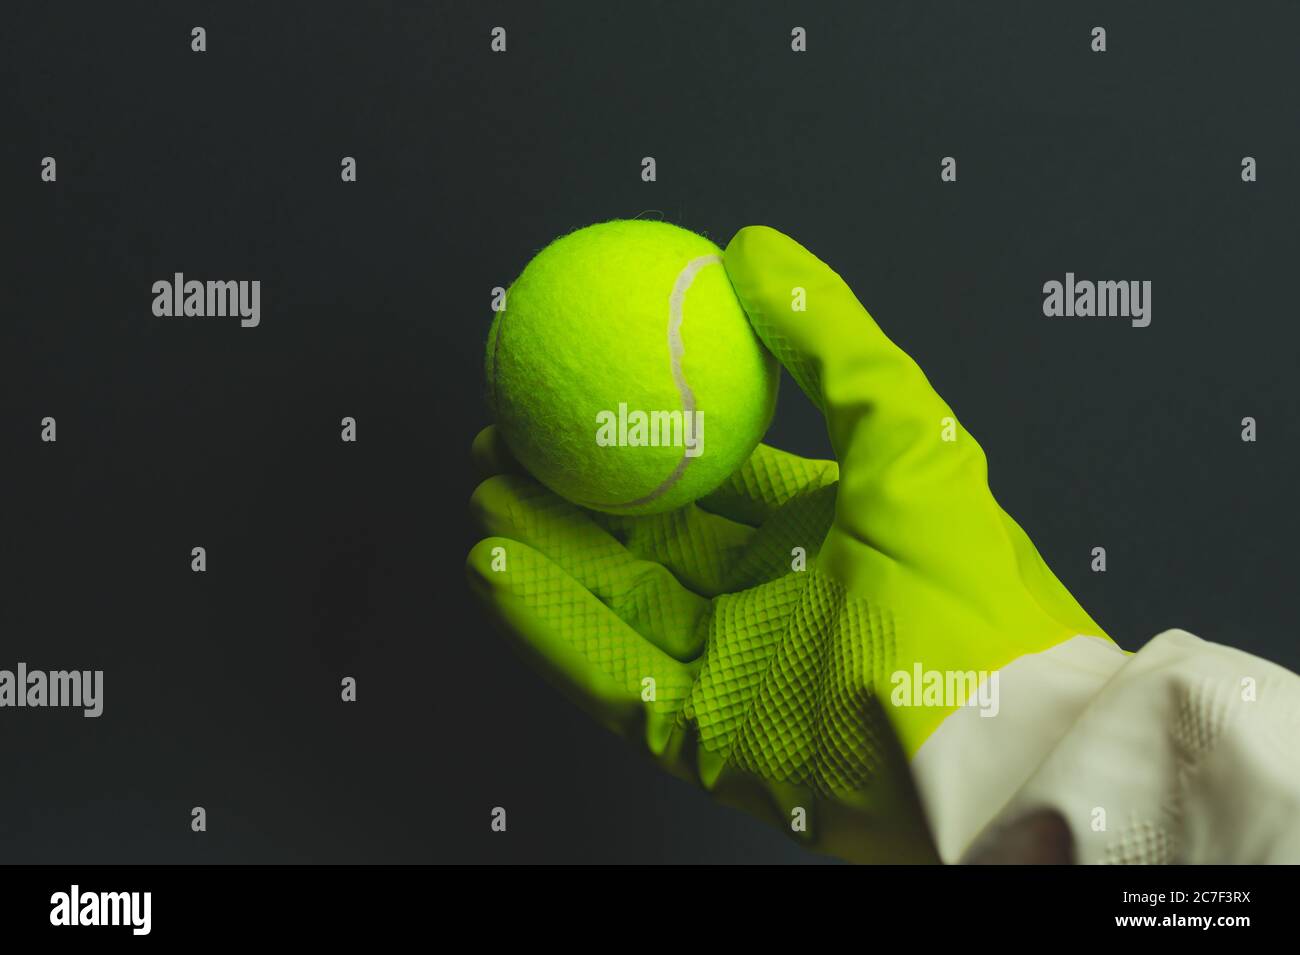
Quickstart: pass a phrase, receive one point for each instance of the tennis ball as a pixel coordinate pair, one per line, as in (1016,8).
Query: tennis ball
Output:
(623,372)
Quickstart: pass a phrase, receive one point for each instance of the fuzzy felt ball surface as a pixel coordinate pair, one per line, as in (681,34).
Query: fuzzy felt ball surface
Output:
(623,372)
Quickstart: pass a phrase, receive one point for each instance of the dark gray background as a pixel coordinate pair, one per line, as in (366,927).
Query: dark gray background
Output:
(327,559)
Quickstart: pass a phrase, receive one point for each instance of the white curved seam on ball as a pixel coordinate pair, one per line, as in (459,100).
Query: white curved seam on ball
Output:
(677,348)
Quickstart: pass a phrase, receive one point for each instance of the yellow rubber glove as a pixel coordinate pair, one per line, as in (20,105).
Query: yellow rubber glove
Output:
(795,688)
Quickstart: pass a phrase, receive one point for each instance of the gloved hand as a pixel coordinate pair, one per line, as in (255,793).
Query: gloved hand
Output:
(778,686)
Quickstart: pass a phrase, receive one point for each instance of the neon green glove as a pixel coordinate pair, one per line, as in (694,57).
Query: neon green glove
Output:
(779,686)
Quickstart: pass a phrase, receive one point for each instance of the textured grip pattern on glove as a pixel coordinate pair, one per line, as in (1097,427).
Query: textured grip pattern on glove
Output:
(786,690)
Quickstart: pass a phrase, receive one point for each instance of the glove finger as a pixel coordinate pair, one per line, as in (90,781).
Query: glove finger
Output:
(701,549)
(715,556)
(765,482)
(913,485)
(491,455)
(643,594)
(578,643)
(761,486)
(697,547)
(710,548)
